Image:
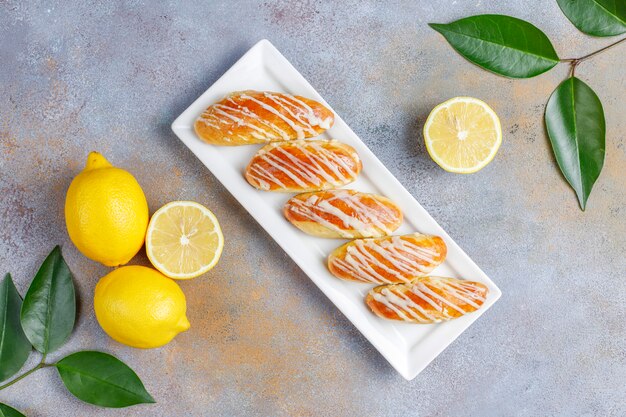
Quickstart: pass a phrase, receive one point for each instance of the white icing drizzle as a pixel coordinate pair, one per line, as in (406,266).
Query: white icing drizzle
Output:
(460,296)
(366,221)
(297,114)
(310,114)
(402,305)
(323,162)
(398,256)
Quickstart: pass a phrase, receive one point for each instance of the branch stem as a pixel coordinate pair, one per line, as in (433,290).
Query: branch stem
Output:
(40,365)
(583,58)
(575,61)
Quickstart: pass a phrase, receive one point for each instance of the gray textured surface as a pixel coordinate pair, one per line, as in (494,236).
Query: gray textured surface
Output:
(81,77)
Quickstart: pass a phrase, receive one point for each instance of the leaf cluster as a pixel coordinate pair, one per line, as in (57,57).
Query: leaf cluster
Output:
(44,320)
(514,48)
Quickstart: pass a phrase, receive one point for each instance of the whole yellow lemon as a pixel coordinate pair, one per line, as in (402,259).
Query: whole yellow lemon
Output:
(140,307)
(106,212)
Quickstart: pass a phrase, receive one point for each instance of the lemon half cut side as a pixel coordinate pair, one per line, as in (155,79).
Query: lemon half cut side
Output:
(184,240)
(462,135)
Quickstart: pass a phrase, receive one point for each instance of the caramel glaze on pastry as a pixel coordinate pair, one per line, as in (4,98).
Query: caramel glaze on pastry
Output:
(427,300)
(387,260)
(249,117)
(343,214)
(303,165)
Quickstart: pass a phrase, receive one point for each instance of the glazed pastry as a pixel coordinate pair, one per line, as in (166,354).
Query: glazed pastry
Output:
(248,117)
(343,214)
(387,260)
(300,165)
(427,300)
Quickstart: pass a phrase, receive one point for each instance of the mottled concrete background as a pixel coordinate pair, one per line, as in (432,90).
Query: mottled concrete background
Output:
(85,76)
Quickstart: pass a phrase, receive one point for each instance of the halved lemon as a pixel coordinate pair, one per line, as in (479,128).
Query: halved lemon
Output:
(184,240)
(462,135)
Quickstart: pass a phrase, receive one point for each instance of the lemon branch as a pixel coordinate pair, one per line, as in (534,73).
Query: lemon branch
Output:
(575,61)
(40,365)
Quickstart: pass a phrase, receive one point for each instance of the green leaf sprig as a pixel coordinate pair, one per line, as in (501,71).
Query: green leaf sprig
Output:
(575,123)
(596,17)
(49,308)
(502,44)
(44,320)
(514,48)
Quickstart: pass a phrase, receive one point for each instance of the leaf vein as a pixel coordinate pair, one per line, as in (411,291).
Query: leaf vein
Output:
(48,323)
(4,321)
(609,12)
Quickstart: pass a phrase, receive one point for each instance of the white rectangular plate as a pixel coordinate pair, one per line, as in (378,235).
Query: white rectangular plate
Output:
(409,348)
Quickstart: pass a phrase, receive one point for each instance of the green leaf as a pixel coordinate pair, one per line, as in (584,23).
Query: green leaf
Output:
(6,411)
(596,17)
(575,124)
(14,346)
(101,379)
(49,307)
(502,44)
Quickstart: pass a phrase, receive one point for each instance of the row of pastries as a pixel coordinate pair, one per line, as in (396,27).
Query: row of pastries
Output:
(316,169)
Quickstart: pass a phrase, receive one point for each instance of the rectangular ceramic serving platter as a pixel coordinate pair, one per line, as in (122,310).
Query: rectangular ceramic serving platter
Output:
(409,348)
